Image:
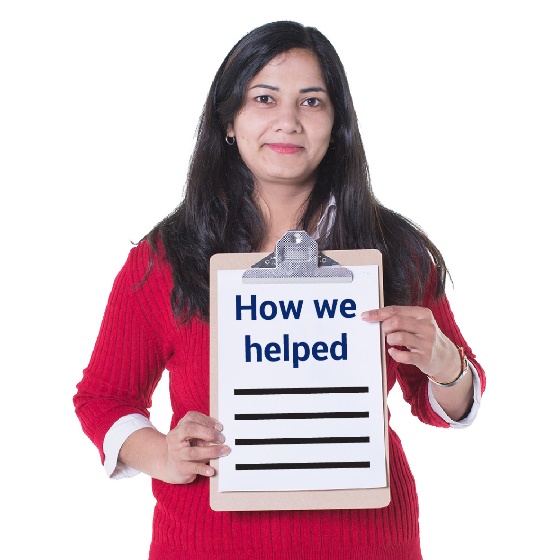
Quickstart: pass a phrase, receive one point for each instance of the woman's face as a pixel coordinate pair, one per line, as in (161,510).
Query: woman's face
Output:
(284,127)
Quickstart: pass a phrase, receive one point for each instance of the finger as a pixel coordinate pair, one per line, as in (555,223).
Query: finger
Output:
(187,472)
(205,470)
(410,340)
(424,330)
(202,443)
(187,431)
(401,323)
(404,356)
(384,313)
(202,454)
(189,424)
(202,469)
(199,418)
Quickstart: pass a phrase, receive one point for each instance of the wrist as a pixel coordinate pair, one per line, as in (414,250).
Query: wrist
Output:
(160,458)
(146,451)
(460,368)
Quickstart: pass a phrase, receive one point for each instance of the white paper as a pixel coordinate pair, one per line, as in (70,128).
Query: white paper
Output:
(332,355)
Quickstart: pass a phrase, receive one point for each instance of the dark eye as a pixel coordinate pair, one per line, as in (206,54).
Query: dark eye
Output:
(312,102)
(264,99)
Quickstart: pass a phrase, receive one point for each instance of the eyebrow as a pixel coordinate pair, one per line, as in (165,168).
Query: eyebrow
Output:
(304,90)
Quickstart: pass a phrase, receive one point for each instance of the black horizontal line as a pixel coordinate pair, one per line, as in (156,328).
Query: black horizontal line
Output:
(284,466)
(295,441)
(300,390)
(301,415)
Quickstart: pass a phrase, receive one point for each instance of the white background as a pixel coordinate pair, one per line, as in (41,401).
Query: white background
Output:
(458,108)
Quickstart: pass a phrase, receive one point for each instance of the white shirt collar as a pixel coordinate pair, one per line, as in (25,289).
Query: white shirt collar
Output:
(326,220)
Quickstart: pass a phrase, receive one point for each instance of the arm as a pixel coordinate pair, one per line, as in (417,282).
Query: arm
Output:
(436,323)
(113,441)
(134,344)
(469,418)
(457,400)
(127,361)
(414,338)
(179,456)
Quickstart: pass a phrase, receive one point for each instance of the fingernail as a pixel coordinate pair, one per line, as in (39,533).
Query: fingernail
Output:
(218,427)
(221,438)
(225,450)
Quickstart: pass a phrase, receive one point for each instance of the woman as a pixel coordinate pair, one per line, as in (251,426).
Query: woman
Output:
(278,148)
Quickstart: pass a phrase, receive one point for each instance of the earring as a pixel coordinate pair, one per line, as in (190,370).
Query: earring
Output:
(228,138)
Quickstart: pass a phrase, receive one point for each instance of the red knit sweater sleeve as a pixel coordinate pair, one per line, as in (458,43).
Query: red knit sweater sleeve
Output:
(413,382)
(128,358)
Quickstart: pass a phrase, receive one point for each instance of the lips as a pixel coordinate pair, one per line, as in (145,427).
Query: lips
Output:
(281,148)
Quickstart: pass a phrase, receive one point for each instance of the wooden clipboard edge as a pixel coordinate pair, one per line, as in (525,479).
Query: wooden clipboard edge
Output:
(355,498)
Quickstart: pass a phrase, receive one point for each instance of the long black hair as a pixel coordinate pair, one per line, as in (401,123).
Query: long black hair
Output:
(219,213)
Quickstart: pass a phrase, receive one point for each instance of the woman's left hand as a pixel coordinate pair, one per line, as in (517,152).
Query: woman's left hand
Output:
(426,346)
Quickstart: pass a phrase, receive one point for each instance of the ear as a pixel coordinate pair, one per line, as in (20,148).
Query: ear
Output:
(229,130)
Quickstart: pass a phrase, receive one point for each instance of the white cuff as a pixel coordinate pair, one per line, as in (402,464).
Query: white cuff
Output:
(469,419)
(115,437)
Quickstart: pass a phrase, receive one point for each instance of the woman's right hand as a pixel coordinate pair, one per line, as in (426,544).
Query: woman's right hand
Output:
(195,440)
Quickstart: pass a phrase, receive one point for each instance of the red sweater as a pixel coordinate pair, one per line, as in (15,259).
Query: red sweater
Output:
(138,339)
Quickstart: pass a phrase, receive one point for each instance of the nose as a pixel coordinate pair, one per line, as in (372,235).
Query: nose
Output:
(287,119)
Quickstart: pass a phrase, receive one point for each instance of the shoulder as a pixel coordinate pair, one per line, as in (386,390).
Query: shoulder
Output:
(148,271)
(144,258)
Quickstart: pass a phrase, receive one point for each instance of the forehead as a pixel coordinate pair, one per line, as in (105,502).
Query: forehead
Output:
(297,65)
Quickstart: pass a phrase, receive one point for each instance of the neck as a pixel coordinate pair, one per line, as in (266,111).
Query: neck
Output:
(282,207)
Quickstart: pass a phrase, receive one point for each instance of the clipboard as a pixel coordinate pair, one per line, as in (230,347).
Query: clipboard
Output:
(296,263)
